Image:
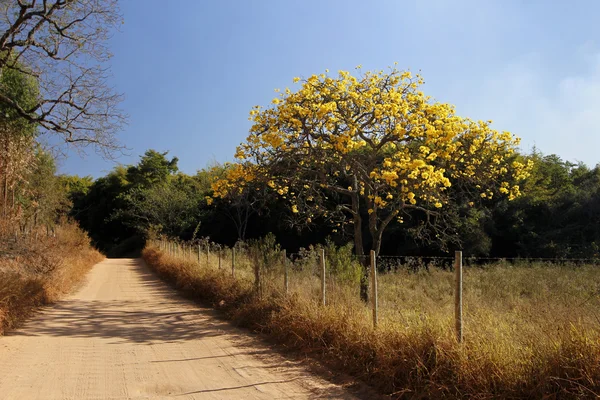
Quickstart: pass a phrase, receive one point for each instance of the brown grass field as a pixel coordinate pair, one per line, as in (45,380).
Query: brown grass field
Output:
(35,271)
(531,330)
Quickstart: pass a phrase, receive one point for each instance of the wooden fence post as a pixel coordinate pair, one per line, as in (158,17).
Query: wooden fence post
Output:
(458,265)
(374,287)
(207,255)
(219,258)
(233,261)
(285,273)
(323,276)
(199,251)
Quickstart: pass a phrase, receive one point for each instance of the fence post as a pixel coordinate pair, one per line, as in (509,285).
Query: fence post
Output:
(323,276)
(198,254)
(233,261)
(219,257)
(207,255)
(458,265)
(285,273)
(374,287)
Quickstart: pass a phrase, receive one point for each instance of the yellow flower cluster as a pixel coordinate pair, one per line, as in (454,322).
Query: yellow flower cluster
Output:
(380,128)
(234,180)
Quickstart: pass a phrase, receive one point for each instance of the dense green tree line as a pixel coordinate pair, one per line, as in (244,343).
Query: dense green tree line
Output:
(557,215)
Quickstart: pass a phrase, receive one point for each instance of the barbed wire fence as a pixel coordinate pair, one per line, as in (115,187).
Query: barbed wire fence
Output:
(314,272)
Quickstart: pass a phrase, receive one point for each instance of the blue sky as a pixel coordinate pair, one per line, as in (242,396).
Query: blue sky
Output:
(191,70)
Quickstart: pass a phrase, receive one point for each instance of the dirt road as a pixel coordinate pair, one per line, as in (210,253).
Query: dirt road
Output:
(125,335)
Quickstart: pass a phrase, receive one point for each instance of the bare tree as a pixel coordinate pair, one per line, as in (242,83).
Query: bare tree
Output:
(62,45)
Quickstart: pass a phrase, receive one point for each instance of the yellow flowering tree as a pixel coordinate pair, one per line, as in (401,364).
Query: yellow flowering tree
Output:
(365,149)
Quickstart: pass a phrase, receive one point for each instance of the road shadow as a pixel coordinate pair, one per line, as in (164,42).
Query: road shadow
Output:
(120,321)
(150,312)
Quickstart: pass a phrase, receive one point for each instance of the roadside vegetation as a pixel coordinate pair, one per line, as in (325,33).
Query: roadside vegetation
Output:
(40,268)
(531,329)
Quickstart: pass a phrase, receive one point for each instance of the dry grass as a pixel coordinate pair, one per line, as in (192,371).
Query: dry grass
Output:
(531,331)
(38,270)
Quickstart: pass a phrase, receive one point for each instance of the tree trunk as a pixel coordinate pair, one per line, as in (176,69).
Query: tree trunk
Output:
(359,247)
(5,194)
(364,261)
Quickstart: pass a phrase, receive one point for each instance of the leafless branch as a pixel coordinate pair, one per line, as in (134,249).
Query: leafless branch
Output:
(62,45)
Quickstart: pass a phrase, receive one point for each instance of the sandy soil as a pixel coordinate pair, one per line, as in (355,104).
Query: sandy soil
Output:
(126,335)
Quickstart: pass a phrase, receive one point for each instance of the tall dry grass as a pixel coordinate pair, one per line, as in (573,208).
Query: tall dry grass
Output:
(531,330)
(38,269)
